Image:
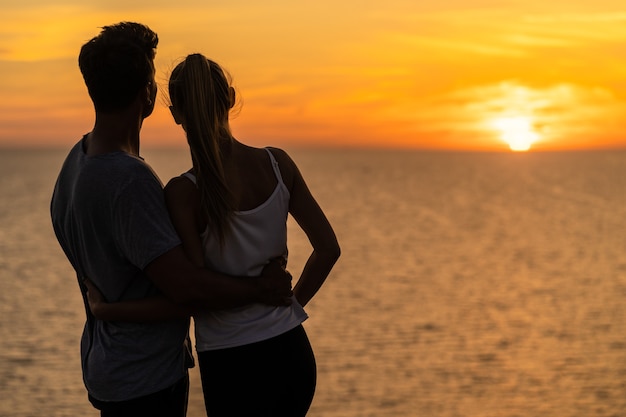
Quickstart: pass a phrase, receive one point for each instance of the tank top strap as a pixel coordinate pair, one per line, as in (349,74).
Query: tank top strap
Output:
(275,167)
(190,176)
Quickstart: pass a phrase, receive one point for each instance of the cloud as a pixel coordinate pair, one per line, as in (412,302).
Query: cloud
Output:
(559,112)
(505,32)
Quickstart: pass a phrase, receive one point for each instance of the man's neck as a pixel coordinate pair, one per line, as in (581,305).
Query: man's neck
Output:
(114,133)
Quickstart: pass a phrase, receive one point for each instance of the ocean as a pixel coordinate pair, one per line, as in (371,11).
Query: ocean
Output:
(470,285)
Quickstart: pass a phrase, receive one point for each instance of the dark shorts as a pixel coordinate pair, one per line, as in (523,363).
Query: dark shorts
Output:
(170,402)
(274,377)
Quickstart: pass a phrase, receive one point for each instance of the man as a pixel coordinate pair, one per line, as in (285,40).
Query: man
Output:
(110,218)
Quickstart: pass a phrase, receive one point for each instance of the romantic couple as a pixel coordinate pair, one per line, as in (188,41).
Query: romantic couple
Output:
(211,245)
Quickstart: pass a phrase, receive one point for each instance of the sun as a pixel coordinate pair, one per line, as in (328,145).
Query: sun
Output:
(516,131)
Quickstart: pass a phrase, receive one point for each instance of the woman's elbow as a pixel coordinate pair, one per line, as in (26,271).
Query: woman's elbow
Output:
(331,252)
(337,251)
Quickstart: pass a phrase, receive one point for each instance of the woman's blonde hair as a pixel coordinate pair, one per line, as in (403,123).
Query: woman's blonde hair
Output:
(200,92)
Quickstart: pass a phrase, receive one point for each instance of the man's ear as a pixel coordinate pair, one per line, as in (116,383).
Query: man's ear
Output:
(148,96)
(232,95)
(178,118)
(150,93)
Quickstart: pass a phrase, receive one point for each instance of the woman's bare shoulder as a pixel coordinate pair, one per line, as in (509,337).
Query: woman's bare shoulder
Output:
(282,157)
(180,188)
(287,166)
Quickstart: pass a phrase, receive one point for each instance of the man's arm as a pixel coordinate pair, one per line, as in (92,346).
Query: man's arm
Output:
(179,273)
(184,283)
(160,307)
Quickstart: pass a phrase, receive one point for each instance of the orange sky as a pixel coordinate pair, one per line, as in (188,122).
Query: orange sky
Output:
(448,74)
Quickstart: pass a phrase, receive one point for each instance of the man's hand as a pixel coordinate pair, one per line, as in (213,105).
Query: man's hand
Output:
(275,283)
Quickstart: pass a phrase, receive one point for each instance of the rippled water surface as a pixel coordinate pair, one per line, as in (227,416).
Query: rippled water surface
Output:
(469,285)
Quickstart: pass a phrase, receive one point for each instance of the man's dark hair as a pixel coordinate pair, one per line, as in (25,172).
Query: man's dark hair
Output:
(117,64)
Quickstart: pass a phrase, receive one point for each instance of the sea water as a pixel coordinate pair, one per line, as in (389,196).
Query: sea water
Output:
(470,285)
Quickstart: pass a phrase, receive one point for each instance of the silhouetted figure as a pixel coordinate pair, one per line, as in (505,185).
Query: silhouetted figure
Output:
(230,211)
(110,217)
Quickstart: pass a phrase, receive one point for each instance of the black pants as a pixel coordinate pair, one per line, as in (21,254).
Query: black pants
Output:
(170,402)
(272,378)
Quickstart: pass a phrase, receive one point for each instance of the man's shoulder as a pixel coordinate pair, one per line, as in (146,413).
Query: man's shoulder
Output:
(126,159)
(122,168)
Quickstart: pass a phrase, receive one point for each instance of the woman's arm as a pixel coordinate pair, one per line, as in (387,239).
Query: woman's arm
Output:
(183,204)
(155,308)
(310,217)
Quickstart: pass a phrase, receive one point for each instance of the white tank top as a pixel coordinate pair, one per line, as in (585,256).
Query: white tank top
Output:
(256,236)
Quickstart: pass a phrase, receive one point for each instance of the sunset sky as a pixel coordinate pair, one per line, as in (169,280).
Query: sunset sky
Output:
(445,74)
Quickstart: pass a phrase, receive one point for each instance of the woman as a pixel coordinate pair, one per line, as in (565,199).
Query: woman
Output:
(230,211)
